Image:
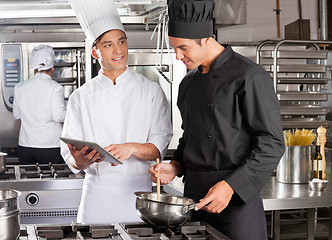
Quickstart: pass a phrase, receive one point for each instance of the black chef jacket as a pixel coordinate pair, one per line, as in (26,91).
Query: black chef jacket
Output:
(231,121)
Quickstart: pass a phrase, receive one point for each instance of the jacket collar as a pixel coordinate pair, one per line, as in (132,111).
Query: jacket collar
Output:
(121,79)
(221,59)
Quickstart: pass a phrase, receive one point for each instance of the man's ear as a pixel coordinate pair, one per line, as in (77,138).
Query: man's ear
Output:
(94,53)
(205,41)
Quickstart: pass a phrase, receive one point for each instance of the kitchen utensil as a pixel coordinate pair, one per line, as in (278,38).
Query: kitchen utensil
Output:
(294,165)
(3,162)
(321,139)
(9,220)
(158,183)
(318,185)
(169,211)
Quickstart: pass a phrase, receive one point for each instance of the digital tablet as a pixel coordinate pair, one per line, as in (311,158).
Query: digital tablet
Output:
(79,144)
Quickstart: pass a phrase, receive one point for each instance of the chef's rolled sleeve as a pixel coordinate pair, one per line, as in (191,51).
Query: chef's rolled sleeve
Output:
(161,128)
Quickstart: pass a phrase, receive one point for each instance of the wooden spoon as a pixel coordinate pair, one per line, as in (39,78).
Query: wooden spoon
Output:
(158,182)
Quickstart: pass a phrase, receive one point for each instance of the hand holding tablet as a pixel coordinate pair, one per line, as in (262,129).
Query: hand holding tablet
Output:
(79,144)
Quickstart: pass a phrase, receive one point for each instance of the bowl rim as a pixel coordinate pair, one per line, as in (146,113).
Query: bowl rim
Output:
(138,195)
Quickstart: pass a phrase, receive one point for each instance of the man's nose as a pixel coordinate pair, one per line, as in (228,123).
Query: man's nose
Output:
(179,54)
(116,48)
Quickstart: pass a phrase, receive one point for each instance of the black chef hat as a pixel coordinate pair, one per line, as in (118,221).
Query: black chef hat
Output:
(191,19)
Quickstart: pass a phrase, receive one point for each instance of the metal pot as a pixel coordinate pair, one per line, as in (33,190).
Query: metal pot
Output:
(169,211)
(3,162)
(9,214)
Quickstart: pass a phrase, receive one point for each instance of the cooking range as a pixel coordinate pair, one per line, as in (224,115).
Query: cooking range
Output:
(50,196)
(121,231)
(50,193)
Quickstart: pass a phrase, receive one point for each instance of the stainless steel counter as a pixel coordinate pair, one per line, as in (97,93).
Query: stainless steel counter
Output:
(280,196)
(284,196)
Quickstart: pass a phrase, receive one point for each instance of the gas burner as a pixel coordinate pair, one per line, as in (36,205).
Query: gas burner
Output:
(77,231)
(45,171)
(38,171)
(9,174)
(190,230)
(120,231)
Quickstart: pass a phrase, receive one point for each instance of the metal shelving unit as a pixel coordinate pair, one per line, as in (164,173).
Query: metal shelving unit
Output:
(298,68)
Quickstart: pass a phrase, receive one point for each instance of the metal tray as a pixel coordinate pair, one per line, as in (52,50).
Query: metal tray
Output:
(64,64)
(303,80)
(302,110)
(302,96)
(303,123)
(65,80)
(309,54)
(297,68)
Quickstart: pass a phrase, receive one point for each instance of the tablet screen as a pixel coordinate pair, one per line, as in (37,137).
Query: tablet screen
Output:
(79,144)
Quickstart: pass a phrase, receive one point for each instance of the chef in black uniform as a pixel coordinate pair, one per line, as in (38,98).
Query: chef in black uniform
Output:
(232,139)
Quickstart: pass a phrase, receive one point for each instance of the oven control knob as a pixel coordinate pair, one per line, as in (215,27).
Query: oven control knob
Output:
(32,199)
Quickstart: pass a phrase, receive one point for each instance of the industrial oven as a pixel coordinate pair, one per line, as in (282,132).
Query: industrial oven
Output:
(69,70)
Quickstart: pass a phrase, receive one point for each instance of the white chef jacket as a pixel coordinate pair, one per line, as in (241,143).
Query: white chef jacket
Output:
(39,103)
(133,110)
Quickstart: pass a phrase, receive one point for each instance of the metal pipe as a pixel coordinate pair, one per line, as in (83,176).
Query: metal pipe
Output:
(323,19)
(300,19)
(277,10)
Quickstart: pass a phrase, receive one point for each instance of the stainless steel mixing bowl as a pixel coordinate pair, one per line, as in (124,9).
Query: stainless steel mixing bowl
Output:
(169,211)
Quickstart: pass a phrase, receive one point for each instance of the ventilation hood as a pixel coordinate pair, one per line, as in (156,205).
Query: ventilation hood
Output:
(230,12)
(27,12)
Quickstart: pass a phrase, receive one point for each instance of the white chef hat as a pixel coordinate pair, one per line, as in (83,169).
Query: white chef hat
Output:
(42,57)
(96,17)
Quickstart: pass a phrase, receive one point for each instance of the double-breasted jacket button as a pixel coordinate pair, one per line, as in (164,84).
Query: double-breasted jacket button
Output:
(190,107)
(190,137)
(210,135)
(210,105)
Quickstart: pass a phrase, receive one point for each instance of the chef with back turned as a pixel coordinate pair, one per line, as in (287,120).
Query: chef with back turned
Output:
(40,105)
(232,139)
(120,110)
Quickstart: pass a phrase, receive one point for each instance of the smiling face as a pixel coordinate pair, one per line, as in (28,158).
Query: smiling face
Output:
(113,53)
(189,51)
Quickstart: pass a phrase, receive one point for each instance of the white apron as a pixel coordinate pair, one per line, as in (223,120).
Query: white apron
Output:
(111,198)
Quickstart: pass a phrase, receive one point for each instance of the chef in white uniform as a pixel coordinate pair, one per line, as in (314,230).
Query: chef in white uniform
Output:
(120,110)
(39,104)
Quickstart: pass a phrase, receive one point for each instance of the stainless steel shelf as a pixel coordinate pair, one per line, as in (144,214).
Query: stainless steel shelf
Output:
(297,68)
(303,110)
(299,73)
(303,80)
(302,96)
(303,123)
(307,54)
